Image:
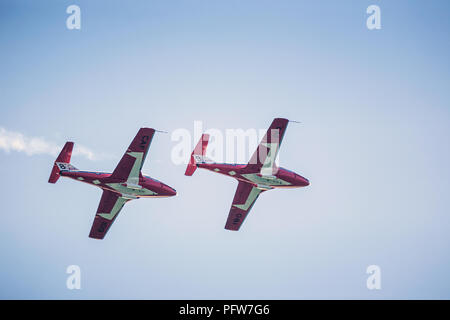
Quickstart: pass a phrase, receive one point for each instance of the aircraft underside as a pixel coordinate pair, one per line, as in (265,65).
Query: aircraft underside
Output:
(257,176)
(139,193)
(125,183)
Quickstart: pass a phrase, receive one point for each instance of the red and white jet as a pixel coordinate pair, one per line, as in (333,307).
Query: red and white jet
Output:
(124,184)
(259,175)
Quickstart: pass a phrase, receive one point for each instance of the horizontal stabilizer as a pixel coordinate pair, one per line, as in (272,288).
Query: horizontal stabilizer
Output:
(62,162)
(198,152)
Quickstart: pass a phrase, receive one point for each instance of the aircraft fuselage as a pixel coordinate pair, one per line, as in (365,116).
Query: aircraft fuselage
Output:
(281,178)
(146,188)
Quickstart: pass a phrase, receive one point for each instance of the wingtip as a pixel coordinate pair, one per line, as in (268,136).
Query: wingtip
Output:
(230,229)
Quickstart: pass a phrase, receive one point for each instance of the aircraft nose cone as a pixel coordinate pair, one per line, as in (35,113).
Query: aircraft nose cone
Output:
(303,181)
(168,191)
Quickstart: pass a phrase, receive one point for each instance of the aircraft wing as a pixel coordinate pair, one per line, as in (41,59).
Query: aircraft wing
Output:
(109,207)
(263,159)
(244,198)
(130,165)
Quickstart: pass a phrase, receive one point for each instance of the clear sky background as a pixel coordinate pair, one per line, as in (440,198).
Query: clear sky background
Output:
(374,142)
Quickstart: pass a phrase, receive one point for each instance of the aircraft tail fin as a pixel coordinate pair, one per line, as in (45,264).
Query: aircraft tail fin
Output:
(62,162)
(198,155)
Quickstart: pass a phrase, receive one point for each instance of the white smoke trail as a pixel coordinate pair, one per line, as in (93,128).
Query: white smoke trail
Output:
(16,141)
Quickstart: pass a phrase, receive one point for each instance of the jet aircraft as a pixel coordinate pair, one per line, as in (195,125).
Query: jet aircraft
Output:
(125,183)
(259,175)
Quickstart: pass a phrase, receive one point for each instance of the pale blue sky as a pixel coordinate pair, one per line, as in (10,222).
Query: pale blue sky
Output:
(375,113)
